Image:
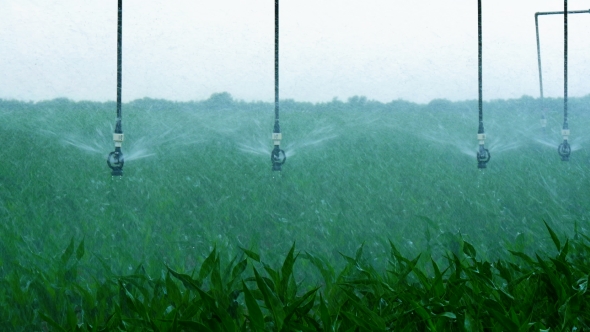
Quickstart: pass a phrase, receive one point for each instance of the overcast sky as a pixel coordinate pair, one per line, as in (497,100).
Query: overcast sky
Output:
(382,49)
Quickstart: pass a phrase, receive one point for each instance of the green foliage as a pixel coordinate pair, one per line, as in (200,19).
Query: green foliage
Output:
(191,237)
(467,295)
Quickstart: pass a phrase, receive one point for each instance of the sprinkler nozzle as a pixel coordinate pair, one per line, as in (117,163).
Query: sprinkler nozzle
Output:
(564,148)
(115,159)
(483,155)
(277,156)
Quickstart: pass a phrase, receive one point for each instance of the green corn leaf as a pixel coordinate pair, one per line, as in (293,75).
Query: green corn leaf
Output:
(173,291)
(140,271)
(187,281)
(51,322)
(208,264)
(303,310)
(291,292)
(106,266)
(422,277)
(207,300)
(471,324)
(175,321)
(290,310)
(271,300)
(411,265)
(216,277)
(448,315)
(68,252)
(553,236)
(437,285)
(286,271)
(226,276)
(396,254)
(114,320)
(251,254)
(349,259)
(504,271)
(469,250)
(419,309)
(238,270)
(564,269)
(274,277)
(135,280)
(498,313)
(80,250)
(227,323)
(193,326)
(255,314)
(524,256)
(485,269)
(86,295)
(128,299)
(189,325)
(326,271)
(553,279)
(359,322)
(359,252)
(193,308)
(564,251)
(375,322)
(325,315)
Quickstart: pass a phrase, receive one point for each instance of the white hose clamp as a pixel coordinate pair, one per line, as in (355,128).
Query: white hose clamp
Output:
(277,137)
(481,138)
(118,138)
(565,133)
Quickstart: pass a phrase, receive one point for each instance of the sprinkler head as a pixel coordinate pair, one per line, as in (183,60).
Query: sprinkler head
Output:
(483,156)
(115,161)
(278,158)
(564,150)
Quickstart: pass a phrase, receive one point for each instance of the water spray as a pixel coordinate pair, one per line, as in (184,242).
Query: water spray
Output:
(564,148)
(277,156)
(543,110)
(115,159)
(483,155)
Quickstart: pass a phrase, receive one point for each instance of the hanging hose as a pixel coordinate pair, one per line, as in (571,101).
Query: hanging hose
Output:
(543,119)
(564,149)
(115,159)
(483,155)
(277,155)
(565,13)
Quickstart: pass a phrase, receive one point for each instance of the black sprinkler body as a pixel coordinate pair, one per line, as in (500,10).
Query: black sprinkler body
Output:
(483,156)
(116,160)
(564,150)
(278,158)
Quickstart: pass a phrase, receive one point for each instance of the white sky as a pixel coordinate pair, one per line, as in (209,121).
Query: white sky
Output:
(383,49)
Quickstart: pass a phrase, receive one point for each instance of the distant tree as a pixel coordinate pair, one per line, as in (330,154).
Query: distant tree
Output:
(356,101)
(440,105)
(402,105)
(13,105)
(220,101)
